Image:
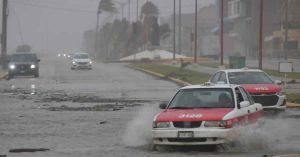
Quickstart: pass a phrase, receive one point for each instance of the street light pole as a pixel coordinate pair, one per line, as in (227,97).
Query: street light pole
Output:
(286,24)
(4,34)
(222,33)
(174,29)
(179,28)
(261,20)
(196,31)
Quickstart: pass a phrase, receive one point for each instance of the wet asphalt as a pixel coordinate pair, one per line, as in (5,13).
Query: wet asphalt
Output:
(108,112)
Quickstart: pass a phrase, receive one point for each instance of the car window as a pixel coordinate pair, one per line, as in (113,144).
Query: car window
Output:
(248,95)
(223,77)
(244,94)
(215,78)
(239,96)
(203,98)
(249,77)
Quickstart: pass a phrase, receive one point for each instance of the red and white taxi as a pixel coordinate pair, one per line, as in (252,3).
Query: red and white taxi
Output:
(261,87)
(204,115)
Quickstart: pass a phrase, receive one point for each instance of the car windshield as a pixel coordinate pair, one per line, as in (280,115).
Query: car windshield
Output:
(203,98)
(249,78)
(23,58)
(81,56)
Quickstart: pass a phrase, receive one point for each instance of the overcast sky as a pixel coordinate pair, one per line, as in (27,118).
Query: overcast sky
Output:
(58,25)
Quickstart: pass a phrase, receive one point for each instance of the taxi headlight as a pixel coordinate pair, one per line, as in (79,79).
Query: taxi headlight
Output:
(12,67)
(32,66)
(161,124)
(215,124)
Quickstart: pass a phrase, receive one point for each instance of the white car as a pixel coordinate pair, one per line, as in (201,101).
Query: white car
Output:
(261,86)
(204,115)
(81,61)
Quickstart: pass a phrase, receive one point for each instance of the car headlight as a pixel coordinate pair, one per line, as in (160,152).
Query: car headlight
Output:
(90,62)
(161,124)
(12,67)
(74,62)
(215,124)
(32,66)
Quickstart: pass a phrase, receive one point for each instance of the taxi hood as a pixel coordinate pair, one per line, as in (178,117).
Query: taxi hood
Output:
(213,114)
(262,88)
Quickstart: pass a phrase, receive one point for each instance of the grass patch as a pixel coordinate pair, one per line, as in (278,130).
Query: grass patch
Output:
(294,98)
(292,75)
(186,75)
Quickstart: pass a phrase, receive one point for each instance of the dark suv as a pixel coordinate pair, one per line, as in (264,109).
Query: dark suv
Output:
(23,64)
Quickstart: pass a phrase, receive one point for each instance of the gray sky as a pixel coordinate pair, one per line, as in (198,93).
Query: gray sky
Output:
(58,25)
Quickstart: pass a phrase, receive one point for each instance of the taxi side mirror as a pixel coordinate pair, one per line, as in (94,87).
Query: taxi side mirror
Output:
(162,106)
(244,104)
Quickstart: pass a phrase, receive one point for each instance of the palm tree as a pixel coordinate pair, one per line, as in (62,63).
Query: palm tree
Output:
(149,9)
(104,6)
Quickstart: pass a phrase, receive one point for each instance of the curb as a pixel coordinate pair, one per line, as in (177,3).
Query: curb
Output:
(177,81)
(292,105)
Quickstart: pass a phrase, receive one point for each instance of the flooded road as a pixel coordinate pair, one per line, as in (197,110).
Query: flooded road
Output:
(108,111)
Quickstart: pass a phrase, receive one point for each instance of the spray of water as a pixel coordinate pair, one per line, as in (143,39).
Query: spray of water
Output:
(271,134)
(138,132)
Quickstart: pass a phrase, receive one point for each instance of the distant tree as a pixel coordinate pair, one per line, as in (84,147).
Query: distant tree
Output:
(150,9)
(106,5)
(23,48)
(155,33)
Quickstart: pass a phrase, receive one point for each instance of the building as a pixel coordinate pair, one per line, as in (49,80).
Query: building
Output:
(243,17)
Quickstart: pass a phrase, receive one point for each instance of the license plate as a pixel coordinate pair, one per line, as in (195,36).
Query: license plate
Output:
(185,134)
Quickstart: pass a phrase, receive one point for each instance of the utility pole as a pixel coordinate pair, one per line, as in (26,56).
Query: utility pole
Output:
(196,31)
(179,28)
(137,10)
(4,34)
(222,33)
(286,30)
(261,20)
(174,29)
(129,15)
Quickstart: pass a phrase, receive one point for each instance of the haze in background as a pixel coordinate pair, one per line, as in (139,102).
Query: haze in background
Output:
(57,26)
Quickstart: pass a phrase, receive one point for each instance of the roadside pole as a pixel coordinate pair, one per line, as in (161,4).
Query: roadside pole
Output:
(196,31)
(4,35)
(174,29)
(222,33)
(261,20)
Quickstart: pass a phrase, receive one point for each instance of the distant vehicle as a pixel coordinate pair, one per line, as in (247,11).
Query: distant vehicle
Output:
(59,55)
(204,115)
(81,61)
(23,64)
(261,87)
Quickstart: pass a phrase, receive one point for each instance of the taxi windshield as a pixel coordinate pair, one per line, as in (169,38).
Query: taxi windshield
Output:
(249,78)
(203,98)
